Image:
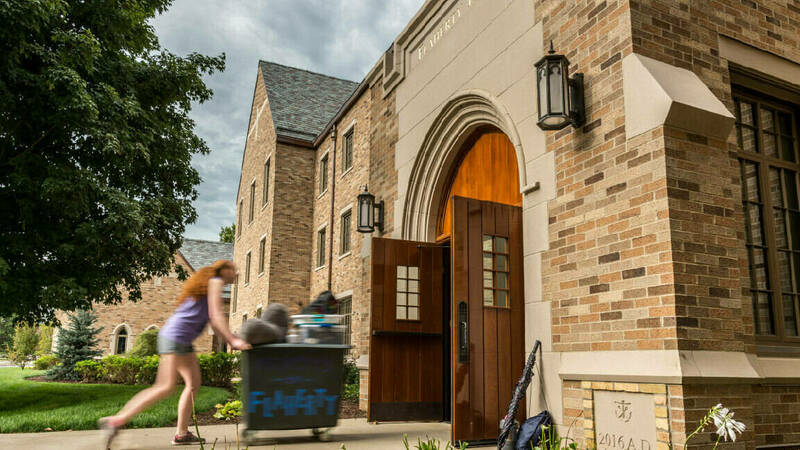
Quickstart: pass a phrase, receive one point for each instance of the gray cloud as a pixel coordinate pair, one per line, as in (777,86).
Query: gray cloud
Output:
(343,38)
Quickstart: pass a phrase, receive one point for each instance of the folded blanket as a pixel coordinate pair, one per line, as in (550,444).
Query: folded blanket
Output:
(270,328)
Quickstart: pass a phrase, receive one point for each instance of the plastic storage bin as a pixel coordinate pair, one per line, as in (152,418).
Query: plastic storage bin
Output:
(292,387)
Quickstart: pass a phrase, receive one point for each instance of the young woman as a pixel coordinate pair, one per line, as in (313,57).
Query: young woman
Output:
(200,302)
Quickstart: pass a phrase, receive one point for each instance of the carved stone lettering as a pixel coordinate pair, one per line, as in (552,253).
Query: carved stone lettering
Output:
(624,421)
(444,27)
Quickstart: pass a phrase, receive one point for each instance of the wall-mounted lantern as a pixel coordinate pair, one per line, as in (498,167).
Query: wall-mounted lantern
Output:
(370,214)
(560,97)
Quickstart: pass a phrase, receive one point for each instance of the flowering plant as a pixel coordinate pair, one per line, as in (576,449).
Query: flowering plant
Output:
(722,417)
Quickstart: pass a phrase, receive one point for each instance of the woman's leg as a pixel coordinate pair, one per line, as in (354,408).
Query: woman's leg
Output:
(189,369)
(165,382)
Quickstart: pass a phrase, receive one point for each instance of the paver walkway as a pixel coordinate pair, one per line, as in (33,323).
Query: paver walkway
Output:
(356,434)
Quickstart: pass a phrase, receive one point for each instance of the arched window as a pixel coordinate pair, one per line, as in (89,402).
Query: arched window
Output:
(122,342)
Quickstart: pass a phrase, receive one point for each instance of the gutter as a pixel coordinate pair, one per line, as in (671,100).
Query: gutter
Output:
(333,199)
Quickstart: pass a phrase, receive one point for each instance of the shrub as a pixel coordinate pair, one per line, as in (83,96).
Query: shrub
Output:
(217,369)
(90,371)
(148,370)
(145,344)
(350,392)
(24,344)
(351,372)
(121,369)
(77,342)
(45,362)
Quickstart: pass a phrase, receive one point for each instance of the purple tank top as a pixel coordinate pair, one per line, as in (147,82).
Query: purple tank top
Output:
(187,322)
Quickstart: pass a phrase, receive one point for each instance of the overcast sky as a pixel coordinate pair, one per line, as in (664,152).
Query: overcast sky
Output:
(343,38)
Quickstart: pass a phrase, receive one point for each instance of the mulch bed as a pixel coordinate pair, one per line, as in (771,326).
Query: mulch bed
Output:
(348,410)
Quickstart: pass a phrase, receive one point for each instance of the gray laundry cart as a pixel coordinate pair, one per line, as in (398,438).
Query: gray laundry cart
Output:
(292,387)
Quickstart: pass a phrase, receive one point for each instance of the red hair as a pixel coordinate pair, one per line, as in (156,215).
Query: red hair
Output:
(197,285)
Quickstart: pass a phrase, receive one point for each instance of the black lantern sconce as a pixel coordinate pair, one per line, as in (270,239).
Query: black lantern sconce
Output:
(560,97)
(370,214)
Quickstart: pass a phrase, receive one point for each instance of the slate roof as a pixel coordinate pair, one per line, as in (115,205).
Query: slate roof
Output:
(303,102)
(204,253)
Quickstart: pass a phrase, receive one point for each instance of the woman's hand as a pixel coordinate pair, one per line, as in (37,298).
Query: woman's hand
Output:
(240,344)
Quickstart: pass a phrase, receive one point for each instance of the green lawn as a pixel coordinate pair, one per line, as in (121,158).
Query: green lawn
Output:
(32,406)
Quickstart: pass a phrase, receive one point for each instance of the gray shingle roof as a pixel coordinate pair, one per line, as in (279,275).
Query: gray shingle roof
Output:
(303,102)
(204,253)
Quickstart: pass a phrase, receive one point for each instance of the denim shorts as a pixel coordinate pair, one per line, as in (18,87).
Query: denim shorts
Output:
(166,346)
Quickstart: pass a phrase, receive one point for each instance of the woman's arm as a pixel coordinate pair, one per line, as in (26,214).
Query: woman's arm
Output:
(217,316)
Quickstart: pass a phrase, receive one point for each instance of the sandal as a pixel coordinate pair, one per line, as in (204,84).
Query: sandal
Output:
(107,432)
(187,439)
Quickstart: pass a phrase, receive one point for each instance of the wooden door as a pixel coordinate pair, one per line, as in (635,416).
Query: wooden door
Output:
(487,315)
(406,357)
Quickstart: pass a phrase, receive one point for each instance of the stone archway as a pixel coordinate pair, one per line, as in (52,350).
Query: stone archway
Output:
(463,114)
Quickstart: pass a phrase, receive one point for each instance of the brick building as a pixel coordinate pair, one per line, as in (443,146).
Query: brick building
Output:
(652,249)
(121,323)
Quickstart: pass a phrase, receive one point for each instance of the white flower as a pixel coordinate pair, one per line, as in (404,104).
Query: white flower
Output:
(726,426)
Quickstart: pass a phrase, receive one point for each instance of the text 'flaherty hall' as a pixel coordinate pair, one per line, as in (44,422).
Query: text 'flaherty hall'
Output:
(617,179)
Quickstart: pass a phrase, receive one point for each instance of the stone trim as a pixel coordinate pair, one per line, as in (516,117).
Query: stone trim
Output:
(659,94)
(676,367)
(760,60)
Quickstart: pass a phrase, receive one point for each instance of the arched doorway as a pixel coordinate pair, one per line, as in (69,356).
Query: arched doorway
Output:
(486,170)
(466,291)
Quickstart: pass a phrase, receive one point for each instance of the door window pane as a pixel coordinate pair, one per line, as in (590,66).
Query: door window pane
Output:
(789,315)
(496,271)
(408,307)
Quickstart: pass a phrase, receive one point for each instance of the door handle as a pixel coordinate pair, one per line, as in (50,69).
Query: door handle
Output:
(463,333)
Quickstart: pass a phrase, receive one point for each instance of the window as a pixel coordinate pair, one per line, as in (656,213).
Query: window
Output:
(122,342)
(345,309)
(265,190)
(321,247)
(768,139)
(323,174)
(495,271)
(247,269)
(252,201)
(239,224)
(347,163)
(346,227)
(262,247)
(407,293)
(258,312)
(235,293)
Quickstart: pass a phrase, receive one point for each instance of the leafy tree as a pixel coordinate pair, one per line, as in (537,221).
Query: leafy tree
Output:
(24,346)
(227,234)
(45,340)
(96,145)
(77,342)
(6,332)
(146,344)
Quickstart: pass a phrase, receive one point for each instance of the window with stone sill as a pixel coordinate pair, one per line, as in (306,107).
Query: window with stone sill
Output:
(767,135)
(347,163)
(408,307)
(247,269)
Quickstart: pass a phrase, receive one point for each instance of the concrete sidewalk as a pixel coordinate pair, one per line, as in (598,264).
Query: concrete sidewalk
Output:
(355,434)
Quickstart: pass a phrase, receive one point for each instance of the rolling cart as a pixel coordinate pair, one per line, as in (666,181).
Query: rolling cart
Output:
(292,387)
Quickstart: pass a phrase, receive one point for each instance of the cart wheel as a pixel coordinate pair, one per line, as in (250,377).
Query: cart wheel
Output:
(321,435)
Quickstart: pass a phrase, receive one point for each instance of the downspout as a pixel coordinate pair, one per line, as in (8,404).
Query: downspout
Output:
(333,198)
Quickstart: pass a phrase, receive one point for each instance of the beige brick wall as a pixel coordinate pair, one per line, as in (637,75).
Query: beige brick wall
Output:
(260,145)
(348,270)
(159,301)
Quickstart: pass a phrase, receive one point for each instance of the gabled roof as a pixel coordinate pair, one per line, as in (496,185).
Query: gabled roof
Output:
(204,253)
(302,102)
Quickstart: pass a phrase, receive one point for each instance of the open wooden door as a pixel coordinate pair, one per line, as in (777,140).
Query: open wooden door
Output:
(406,343)
(487,315)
